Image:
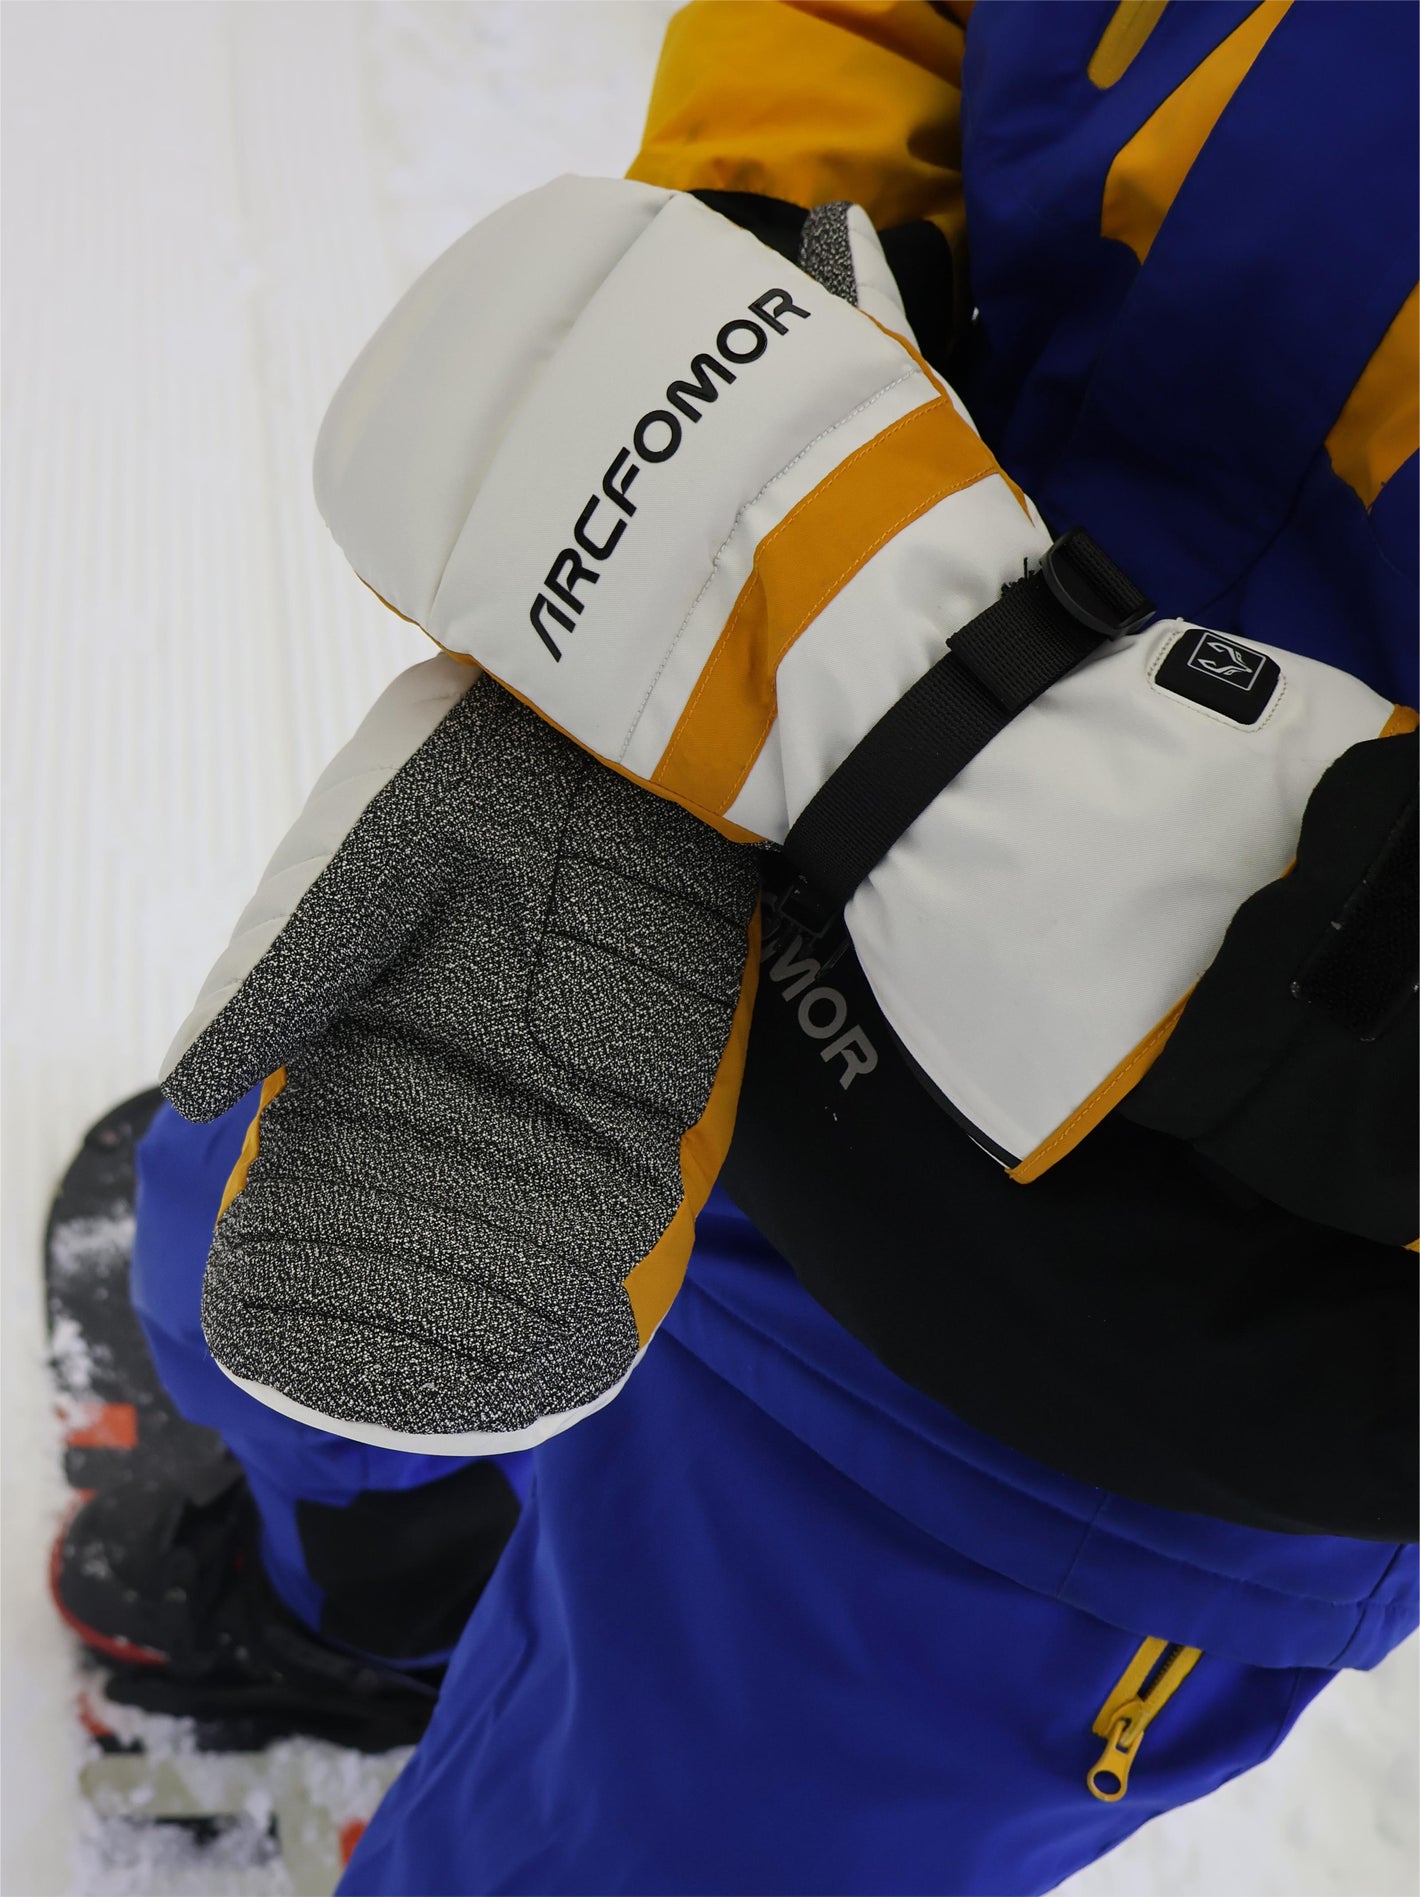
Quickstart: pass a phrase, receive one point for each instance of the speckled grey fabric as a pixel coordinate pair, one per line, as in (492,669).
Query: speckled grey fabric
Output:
(826,253)
(500,1007)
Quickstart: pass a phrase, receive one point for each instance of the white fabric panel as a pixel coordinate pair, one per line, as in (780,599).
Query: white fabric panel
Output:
(399,721)
(733,560)
(761,805)
(878,293)
(472,1442)
(1057,899)
(411,430)
(691,273)
(877,636)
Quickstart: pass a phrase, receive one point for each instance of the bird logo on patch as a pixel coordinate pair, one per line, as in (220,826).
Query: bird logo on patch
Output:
(1221,659)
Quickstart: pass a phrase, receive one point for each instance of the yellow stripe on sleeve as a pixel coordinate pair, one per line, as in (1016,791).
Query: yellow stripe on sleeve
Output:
(1379,428)
(1122,40)
(1149,172)
(812,102)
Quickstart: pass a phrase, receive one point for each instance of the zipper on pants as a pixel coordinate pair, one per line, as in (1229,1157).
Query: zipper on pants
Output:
(1151,1678)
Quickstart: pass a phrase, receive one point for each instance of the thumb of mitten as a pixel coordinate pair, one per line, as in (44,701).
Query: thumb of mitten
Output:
(346,889)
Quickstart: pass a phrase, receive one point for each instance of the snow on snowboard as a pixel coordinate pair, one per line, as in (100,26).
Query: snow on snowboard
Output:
(176,1804)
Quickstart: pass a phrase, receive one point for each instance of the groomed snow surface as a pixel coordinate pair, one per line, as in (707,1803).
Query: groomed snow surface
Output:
(206,210)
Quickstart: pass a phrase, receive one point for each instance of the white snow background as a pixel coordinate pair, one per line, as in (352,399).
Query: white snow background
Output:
(207,209)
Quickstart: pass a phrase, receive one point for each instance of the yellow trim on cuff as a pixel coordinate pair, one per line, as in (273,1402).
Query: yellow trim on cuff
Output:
(1136,1064)
(1111,1090)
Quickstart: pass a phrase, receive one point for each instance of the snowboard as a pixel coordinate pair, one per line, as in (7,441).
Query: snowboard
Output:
(179,1805)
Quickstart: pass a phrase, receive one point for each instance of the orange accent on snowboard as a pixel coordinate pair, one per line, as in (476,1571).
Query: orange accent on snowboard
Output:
(104,1426)
(350,1835)
(91,1722)
(127,1652)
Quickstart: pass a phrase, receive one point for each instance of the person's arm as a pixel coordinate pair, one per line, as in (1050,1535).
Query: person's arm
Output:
(1296,1079)
(797,103)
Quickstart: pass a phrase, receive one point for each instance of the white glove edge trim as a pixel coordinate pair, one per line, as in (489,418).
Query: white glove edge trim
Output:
(464,1443)
(411,706)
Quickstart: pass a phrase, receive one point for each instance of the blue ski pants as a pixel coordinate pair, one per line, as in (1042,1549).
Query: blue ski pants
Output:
(772,1622)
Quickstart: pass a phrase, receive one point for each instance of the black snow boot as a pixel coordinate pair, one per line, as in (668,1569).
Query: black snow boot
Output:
(166,1585)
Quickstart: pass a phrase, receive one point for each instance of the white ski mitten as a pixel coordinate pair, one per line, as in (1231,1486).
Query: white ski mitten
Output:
(731,534)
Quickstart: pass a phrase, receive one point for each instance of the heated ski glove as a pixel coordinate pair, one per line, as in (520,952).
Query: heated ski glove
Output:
(711,516)
(497,995)
(731,533)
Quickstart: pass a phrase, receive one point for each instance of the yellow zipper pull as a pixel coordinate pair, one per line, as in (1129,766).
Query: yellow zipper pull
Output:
(1108,1777)
(1152,1677)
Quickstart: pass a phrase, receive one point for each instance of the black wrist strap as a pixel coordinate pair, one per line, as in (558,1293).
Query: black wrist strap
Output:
(998,663)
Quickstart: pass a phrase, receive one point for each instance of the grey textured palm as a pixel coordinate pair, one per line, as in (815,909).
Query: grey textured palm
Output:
(500,1007)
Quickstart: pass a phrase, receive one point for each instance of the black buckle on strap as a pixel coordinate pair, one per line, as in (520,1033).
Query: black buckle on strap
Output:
(806,910)
(1092,589)
(1041,628)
